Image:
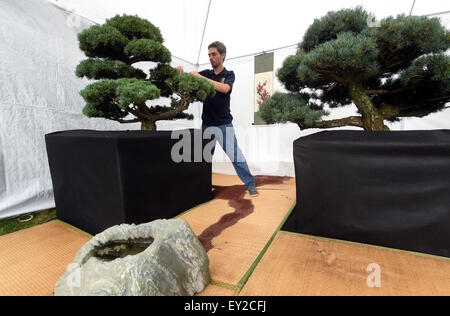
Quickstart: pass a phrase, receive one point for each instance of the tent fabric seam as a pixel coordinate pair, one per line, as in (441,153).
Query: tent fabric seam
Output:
(11,105)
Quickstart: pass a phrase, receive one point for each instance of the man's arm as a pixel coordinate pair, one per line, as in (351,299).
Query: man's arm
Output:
(220,87)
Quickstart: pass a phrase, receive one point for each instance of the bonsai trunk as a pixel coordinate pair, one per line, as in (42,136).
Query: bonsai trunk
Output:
(148,126)
(148,121)
(372,119)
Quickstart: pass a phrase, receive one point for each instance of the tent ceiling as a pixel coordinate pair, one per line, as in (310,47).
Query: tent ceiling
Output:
(246,27)
(423,7)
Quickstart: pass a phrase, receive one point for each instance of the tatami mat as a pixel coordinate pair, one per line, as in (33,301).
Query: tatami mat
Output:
(225,180)
(297,265)
(32,260)
(235,228)
(248,254)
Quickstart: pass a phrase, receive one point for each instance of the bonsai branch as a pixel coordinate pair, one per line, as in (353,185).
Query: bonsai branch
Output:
(330,75)
(174,112)
(447,97)
(390,112)
(334,85)
(395,63)
(384,91)
(135,111)
(348,121)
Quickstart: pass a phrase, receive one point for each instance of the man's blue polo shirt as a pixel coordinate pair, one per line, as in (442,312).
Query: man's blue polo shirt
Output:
(216,110)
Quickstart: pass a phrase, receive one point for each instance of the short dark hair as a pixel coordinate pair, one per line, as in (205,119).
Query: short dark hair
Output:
(220,47)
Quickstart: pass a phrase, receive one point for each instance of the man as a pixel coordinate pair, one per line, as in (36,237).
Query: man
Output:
(216,112)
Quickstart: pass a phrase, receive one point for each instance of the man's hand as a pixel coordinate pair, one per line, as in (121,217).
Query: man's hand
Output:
(180,69)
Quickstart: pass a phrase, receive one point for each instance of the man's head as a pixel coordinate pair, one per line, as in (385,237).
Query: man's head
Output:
(217,52)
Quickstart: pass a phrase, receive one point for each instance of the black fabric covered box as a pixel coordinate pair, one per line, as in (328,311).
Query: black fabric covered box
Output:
(384,188)
(105,178)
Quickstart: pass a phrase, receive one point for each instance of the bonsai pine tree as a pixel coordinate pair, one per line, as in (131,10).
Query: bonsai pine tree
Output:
(123,90)
(397,69)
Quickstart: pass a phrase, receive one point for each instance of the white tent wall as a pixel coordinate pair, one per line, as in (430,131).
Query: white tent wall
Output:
(39,94)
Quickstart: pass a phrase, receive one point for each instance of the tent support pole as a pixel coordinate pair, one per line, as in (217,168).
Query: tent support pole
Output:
(203,35)
(412,8)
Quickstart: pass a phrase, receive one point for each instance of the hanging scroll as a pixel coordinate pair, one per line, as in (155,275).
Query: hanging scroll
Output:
(263,87)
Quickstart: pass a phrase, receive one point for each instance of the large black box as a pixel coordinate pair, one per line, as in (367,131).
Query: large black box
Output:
(384,188)
(105,178)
